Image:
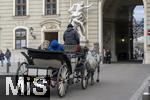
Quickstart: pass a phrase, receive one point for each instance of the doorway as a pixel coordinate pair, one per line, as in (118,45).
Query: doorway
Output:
(51,36)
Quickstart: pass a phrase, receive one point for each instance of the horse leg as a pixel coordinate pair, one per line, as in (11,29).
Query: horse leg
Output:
(92,77)
(98,71)
(88,76)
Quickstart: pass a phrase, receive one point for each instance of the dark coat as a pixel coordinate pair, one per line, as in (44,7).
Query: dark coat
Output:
(2,56)
(55,46)
(71,37)
(108,54)
(8,54)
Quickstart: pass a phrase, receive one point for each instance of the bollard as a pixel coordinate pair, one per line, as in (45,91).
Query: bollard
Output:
(146,96)
(8,67)
(18,63)
(149,89)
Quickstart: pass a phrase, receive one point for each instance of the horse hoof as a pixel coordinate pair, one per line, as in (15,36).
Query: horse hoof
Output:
(97,81)
(92,83)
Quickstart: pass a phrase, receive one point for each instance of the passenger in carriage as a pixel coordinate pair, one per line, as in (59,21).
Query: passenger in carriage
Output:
(55,46)
(44,45)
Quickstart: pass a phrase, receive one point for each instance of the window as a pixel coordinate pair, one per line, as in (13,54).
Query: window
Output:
(20,38)
(50,7)
(20,7)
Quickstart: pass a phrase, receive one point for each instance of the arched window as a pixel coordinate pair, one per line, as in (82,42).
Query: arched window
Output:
(20,38)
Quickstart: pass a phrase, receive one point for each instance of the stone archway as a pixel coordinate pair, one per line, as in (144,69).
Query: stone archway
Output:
(108,29)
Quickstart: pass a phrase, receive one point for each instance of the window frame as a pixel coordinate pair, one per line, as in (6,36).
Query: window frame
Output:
(45,9)
(26,8)
(20,30)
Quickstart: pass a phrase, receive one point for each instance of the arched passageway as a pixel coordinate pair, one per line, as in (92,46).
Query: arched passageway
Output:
(118,34)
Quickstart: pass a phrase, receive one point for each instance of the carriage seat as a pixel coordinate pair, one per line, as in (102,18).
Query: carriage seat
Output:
(47,59)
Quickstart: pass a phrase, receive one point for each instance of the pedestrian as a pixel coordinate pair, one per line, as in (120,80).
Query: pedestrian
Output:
(1,57)
(8,55)
(143,56)
(108,57)
(104,56)
(71,37)
(44,45)
(55,46)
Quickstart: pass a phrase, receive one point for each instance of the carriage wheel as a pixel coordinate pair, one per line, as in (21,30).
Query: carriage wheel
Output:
(62,81)
(84,78)
(20,77)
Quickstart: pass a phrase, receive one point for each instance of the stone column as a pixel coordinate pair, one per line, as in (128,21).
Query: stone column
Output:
(113,43)
(146,32)
(100,28)
(0,39)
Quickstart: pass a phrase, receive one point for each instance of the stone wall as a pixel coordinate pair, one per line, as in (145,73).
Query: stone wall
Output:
(8,22)
(146,28)
(35,19)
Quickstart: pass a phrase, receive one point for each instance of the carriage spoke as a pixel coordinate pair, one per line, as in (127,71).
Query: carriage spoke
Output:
(62,84)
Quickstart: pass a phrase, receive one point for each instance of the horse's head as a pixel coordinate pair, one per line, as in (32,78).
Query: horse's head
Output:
(91,60)
(89,54)
(92,55)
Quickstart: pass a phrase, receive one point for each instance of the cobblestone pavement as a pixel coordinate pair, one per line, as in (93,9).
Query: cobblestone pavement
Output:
(118,82)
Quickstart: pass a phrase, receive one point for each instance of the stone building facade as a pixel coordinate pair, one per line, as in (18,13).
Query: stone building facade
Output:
(38,23)
(43,26)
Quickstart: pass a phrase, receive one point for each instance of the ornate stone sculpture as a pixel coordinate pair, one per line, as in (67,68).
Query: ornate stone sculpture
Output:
(50,27)
(78,17)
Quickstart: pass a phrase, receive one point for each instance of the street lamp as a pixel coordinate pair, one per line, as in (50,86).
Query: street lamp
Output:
(122,40)
(31,32)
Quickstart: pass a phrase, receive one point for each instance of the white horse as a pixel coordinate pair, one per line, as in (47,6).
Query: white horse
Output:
(92,63)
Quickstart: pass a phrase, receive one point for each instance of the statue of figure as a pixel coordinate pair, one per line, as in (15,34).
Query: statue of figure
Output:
(78,17)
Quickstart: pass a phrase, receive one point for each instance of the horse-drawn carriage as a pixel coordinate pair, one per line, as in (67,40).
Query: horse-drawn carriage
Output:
(56,65)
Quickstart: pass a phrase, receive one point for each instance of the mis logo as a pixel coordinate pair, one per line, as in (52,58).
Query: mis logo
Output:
(23,86)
